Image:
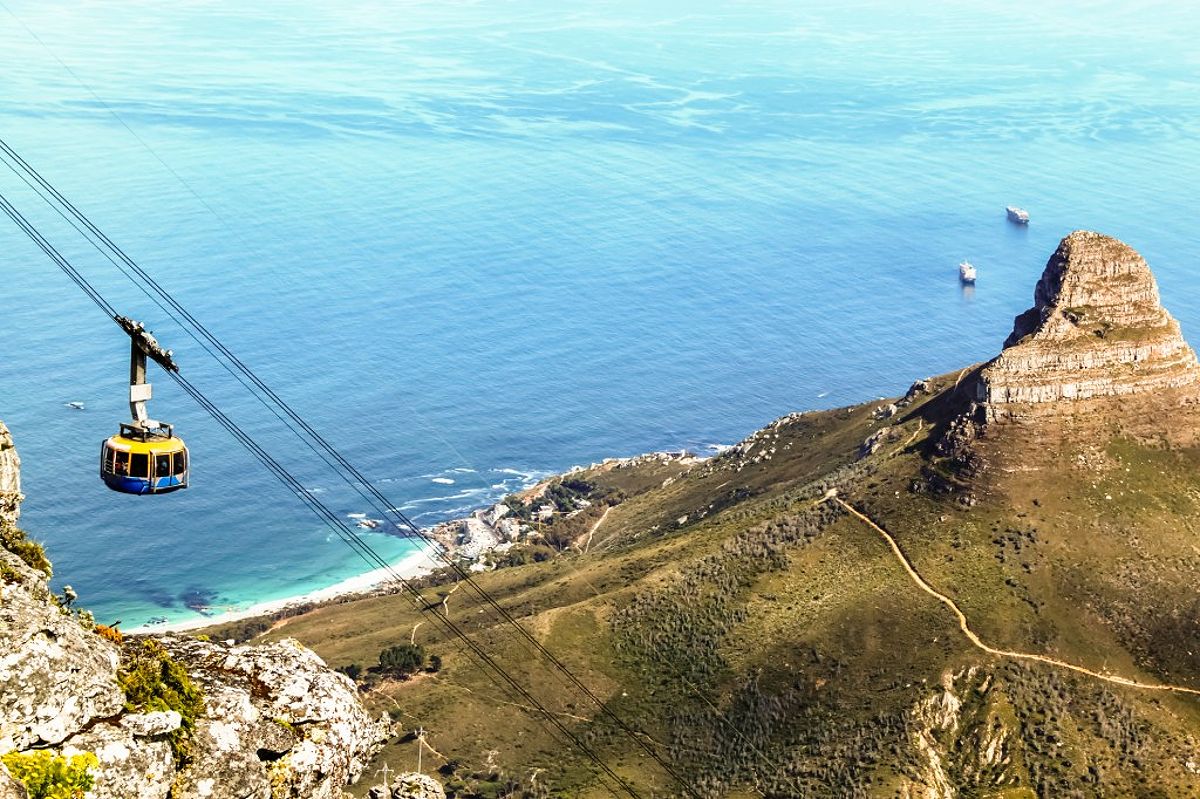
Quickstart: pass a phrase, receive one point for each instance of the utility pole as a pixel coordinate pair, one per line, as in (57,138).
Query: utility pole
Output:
(420,743)
(385,771)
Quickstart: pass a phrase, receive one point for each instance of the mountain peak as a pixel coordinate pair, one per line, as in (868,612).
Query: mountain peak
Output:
(1096,329)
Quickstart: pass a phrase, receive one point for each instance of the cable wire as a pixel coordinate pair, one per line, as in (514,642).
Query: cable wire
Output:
(330,518)
(347,471)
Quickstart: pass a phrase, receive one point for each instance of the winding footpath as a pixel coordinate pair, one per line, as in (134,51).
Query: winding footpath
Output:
(592,530)
(964,625)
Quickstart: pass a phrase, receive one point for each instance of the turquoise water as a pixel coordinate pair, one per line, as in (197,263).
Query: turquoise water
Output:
(483,242)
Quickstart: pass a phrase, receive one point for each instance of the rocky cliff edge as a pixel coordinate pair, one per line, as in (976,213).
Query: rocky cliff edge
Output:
(275,721)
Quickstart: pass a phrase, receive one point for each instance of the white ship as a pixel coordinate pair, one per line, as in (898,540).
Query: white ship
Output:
(1018,215)
(966,273)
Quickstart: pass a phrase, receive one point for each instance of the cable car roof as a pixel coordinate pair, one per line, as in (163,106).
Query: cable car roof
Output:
(159,446)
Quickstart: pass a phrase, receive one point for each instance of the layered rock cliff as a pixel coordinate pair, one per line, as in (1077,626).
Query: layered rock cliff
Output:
(275,722)
(1096,329)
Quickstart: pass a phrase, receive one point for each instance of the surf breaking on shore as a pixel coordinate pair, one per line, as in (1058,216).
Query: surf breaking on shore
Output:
(412,565)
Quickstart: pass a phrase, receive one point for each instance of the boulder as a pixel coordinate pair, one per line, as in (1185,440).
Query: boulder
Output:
(918,388)
(278,722)
(873,442)
(414,785)
(128,768)
(151,725)
(55,676)
(885,411)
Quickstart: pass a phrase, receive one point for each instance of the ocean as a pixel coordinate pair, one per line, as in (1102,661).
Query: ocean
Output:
(476,243)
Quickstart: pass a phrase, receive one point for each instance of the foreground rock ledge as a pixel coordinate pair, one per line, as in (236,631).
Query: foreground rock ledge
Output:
(277,722)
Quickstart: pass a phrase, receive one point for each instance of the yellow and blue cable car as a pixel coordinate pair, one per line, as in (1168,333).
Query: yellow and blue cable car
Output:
(134,462)
(145,457)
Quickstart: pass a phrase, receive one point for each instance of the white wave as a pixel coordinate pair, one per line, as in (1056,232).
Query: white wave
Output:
(413,564)
(466,494)
(446,481)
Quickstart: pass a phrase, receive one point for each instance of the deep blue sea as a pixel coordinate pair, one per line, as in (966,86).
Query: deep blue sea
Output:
(480,242)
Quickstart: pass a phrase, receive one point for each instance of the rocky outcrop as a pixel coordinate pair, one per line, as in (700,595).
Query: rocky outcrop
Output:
(1096,329)
(412,785)
(276,722)
(55,677)
(961,743)
(10,478)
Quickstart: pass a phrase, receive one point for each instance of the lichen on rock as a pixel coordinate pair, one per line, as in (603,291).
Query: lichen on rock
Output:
(279,706)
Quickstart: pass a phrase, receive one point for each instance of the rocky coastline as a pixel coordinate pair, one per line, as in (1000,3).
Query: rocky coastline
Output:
(480,541)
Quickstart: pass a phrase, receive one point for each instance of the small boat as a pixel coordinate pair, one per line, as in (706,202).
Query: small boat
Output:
(1017,215)
(75,405)
(966,273)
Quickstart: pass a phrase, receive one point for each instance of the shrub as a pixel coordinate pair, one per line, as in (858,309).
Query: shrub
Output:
(153,681)
(351,670)
(109,633)
(8,574)
(49,776)
(402,659)
(13,539)
(435,663)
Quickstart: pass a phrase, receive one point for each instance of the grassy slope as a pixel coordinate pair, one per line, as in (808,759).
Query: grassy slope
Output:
(771,647)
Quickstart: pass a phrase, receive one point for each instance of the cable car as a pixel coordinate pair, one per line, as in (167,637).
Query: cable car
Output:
(140,461)
(145,457)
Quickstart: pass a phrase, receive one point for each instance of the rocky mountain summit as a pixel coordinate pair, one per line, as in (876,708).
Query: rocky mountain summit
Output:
(1096,329)
(982,588)
(158,717)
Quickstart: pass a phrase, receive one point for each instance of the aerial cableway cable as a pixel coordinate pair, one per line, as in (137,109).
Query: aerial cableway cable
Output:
(11,211)
(374,559)
(344,532)
(347,471)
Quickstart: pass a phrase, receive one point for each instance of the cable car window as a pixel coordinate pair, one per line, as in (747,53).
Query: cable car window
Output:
(139,465)
(122,461)
(180,462)
(106,459)
(162,465)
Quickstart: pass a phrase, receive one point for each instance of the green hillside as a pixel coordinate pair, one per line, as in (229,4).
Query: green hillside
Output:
(767,642)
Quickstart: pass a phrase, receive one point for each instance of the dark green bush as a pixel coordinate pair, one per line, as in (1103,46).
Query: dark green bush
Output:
(402,659)
(351,670)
